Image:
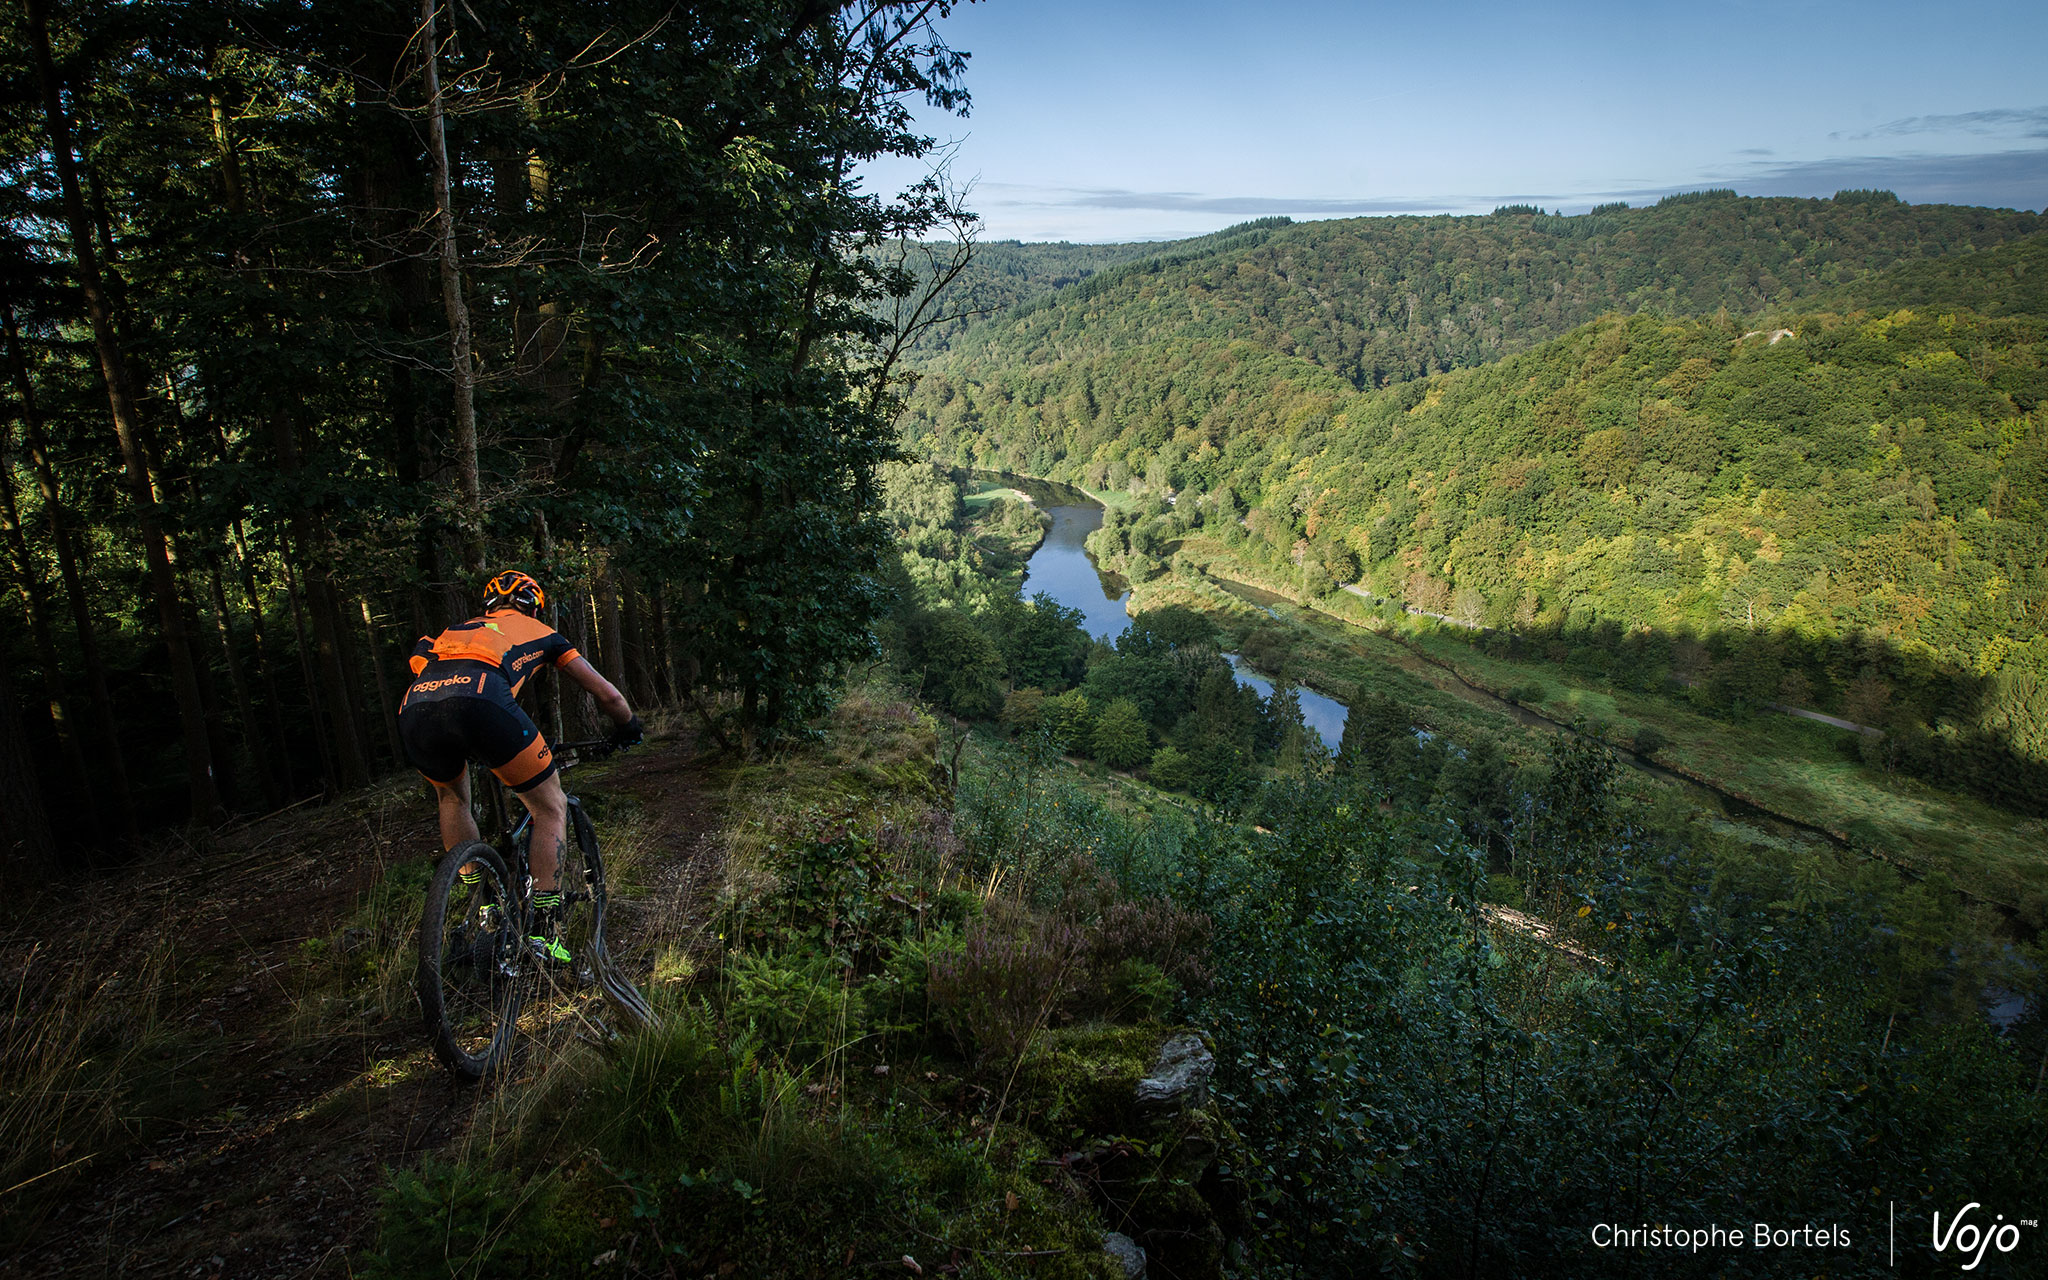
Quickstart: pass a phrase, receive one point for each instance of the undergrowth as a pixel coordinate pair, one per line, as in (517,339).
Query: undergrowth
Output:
(82,1046)
(893,1052)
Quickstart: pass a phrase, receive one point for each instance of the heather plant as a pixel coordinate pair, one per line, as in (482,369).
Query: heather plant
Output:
(1023,821)
(1159,932)
(1002,986)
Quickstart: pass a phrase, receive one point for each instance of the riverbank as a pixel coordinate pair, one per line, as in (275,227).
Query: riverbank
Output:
(1771,779)
(1796,773)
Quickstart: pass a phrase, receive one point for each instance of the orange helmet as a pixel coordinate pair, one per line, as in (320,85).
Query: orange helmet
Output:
(515,589)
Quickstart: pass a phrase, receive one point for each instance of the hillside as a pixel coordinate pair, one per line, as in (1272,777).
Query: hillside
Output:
(1005,274)
(911,980)
(1871,482)
(1380,300)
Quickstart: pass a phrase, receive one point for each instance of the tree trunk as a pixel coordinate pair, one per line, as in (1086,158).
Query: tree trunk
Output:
(610,634)
(218,742)
(31,855)
(555,692)
(461,363)
(578,612)
(116,794)
(338,690)
(205,800)
(329,779)
(37,610)
(261,750)
(266,654)
(665,647)
(386,695)
(639,668)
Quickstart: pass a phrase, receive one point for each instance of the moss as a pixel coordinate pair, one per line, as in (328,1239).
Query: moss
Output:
(1082,1081)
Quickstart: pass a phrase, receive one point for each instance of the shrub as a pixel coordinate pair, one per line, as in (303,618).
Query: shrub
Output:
(1002,986)
(1152,931)
(1172,769)
(458,1221)
(1024,711)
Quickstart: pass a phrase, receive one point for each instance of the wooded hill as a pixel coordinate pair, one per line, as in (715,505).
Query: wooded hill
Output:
(1871,481)
(1381,300)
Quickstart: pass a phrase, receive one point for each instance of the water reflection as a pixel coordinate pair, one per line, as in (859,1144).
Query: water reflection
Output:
(1061,568)
(1324,715)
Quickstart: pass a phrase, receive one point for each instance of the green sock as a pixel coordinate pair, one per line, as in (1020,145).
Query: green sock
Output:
(547,908)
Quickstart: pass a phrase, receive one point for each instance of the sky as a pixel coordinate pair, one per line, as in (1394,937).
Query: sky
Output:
(1134,120)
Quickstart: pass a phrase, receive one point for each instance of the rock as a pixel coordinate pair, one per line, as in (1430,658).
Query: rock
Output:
(1126,1251)
(1180,1075)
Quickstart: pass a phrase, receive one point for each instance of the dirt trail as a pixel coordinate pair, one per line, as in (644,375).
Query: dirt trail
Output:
(264,1142)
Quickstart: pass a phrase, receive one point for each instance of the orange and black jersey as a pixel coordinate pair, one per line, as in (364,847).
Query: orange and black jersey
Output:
(491,657)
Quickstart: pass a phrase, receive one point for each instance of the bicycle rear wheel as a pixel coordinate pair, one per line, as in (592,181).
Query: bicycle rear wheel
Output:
(472,961)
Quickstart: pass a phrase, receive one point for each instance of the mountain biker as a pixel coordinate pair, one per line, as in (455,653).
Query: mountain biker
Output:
(462,707)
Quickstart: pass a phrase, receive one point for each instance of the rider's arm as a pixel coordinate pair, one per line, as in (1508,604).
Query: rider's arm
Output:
(609,699)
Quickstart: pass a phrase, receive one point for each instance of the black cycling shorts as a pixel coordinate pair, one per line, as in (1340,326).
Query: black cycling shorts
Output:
(442,736)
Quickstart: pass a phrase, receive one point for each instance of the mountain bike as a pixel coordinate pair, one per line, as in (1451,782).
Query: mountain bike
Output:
(477,971)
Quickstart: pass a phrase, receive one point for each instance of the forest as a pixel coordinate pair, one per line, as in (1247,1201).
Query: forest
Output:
(1841,504)
(1380,300)
(318,315)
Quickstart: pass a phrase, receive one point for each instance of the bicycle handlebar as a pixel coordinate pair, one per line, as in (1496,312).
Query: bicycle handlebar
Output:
(590,747)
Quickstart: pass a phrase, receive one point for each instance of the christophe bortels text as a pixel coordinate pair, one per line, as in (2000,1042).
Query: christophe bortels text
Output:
(1761,1235)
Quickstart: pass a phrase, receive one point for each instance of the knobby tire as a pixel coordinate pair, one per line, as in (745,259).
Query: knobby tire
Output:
(472,963)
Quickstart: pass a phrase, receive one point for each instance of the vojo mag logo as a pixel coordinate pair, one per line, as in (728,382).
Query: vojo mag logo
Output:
(1972,1239)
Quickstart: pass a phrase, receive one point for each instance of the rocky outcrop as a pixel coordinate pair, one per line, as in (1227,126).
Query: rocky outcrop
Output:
(1147,1144)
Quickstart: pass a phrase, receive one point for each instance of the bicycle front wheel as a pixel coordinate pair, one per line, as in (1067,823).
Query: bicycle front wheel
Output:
(624,997)
(472,959)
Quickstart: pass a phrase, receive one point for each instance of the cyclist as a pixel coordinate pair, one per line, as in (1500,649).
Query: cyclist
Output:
(462,707)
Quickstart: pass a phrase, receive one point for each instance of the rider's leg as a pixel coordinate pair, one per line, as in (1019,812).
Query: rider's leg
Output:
(550,809)
(458,824)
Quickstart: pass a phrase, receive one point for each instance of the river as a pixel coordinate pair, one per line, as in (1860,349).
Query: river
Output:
(1062,569)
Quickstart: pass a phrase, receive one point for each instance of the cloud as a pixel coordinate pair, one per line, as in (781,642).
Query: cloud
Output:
(2015,179)
(2028,122)
(1113,198)
(1756,151)
(1998,179)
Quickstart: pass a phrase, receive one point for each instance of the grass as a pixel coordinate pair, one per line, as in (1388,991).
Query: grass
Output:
(1797,767)
(804,1106)
(1117,499)
(82,1037)
(984,497)
(1808,771)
